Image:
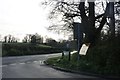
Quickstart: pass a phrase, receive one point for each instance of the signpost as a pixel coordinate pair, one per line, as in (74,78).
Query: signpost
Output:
(77,30)
(78,35)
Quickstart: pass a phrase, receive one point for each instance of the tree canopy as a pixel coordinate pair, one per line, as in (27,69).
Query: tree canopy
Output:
(93,15)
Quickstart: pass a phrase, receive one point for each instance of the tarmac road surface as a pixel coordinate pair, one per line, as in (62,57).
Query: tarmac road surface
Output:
(33,67)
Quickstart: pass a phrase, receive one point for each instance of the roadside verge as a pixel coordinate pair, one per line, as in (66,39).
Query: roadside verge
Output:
(81,72)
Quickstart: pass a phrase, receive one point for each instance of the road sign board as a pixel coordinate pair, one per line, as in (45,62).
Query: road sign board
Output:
(77,30)
(84,49)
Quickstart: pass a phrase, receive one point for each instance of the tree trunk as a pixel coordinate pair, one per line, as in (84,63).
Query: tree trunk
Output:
(92,33)
(112,19)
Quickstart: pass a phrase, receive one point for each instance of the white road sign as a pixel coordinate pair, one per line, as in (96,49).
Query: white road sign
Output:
(84,49)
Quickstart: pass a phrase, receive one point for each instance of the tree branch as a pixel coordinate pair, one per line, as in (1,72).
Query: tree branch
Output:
(99,16)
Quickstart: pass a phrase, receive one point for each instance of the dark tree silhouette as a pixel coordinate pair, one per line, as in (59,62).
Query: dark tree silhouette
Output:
(93,16)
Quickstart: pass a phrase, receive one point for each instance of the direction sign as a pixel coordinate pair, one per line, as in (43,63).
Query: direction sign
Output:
(77,30)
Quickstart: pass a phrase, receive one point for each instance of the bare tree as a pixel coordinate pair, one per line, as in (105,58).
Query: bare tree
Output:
(33,38)
(5,39)
(117,18)
(93,16)
(10,39)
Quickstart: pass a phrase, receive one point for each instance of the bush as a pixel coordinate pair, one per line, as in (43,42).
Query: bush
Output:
(19,49)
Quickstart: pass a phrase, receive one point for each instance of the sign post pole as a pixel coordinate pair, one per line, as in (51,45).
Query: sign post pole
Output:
(78,35)
(78,51)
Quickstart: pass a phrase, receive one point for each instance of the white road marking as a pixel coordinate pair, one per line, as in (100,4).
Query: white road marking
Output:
(21,63)
(13,64)
(35,61)
(28,62)
(3,65)
(41,62)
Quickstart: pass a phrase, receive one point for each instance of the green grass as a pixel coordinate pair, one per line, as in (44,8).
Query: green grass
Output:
(74,64)
(82,65)
(104,58)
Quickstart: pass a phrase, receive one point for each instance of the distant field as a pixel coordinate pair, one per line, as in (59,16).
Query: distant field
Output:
(19,49)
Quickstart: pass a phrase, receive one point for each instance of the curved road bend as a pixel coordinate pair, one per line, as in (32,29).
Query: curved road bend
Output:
(33,67)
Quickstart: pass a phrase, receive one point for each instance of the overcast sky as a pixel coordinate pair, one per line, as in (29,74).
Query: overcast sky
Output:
(20,17)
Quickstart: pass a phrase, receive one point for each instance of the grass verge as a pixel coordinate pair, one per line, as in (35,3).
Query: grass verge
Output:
(83,65)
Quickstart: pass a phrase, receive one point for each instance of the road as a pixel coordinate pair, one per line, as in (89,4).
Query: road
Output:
(33,67)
